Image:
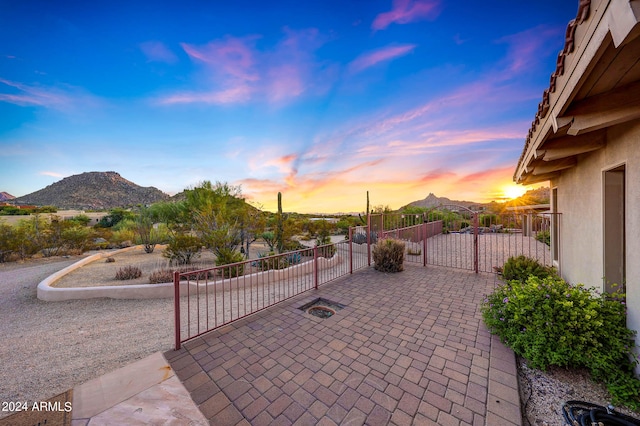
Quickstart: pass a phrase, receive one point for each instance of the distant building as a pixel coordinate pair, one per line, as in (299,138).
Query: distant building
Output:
(585,140)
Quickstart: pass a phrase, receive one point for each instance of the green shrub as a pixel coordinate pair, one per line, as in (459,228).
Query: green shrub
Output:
(8,242)
(544,237)
(226,257)
(388,255)
(325,248)
(263,264)
(182,248)
(521,267)
(128,273)
(550,322)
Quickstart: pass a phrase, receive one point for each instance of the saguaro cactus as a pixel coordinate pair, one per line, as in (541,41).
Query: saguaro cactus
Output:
(366,212)
(279,226)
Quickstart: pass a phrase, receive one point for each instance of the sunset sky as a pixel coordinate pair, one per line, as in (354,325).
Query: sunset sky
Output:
(321,100)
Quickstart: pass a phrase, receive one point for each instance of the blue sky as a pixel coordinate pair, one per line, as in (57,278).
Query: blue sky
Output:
(321,100)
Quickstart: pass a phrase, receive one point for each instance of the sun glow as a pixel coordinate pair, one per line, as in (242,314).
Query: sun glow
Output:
(512,191)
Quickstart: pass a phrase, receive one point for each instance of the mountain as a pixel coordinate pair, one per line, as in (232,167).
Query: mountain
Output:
(5,196)
(93,191)
(433,201)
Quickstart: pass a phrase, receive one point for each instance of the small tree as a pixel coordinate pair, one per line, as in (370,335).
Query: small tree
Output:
(182,248)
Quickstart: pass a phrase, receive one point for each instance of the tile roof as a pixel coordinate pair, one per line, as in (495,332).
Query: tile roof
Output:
(584,8)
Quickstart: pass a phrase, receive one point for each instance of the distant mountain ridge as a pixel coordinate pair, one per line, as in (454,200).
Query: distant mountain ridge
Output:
(434,201)
(5,196)
(93,191)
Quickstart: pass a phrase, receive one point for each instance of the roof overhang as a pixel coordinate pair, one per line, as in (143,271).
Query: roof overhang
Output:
(596,85)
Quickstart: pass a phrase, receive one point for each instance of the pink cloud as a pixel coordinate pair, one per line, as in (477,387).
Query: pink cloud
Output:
(292,69)
(234,70)
(285,81)
(231,57)
(53,174)
(526,47)
(241,93)
(370,59)
(26,95)
(156,51)
(406,11)
(484,176)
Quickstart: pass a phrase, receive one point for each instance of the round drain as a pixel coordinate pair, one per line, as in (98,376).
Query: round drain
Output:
(321,311)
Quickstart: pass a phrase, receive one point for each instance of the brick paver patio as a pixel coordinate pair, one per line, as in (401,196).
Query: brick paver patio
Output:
(408,348)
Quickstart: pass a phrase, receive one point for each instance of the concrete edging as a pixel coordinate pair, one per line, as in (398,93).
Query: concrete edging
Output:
(47,293)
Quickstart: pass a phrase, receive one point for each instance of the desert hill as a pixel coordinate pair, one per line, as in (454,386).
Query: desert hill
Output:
(5,196)
(434,201)
(93,191)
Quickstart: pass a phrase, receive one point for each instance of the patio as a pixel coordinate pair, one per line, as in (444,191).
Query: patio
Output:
(408,348)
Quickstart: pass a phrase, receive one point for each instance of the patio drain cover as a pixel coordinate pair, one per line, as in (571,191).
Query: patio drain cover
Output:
(321,308)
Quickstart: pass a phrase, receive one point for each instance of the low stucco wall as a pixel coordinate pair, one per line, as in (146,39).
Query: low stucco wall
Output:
(47,293)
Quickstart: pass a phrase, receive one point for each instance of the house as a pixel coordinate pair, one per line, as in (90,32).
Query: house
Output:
(585,140)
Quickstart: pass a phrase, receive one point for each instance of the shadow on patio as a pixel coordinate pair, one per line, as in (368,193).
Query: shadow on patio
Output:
(408,348)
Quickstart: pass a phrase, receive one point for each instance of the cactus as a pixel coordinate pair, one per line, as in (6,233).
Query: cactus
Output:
(279,226)
(366,212)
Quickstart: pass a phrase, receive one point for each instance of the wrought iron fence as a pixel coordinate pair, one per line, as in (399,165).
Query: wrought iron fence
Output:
(210,298)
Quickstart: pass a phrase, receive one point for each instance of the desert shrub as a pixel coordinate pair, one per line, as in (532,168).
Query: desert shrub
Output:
(81,219)
(182,248)
(227,257)
(265,264)
(325,248)
(544,237)
(8,243)
(196,273)
(552,323)
(77,238)
(360,238)
(161,276)
(521,267)
(388,255)
(128,273)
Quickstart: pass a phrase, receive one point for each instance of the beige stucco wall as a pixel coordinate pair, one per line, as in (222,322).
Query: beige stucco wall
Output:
(580,195)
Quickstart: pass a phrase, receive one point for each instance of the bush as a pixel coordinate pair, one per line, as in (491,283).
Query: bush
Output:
(182,249)
(325,248)
(521,267)
(360,238)
(161,276)
(388,255)
(279,262)
(128,273)
(549,322)
(544,237)
(227,257)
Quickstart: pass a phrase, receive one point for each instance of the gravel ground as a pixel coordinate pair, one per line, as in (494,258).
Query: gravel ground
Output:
(49,348)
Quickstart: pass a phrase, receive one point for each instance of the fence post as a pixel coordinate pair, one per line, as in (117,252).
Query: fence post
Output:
(425,235)
(350,250)
(475,242)
(368,239)
(176,304)
(315,267)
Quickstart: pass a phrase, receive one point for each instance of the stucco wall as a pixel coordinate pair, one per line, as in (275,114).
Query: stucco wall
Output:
(580,200)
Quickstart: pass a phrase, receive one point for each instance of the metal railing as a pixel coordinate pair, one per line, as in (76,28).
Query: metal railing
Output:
(210,298)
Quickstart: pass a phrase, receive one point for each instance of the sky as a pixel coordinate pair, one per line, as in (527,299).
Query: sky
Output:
(321,100)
